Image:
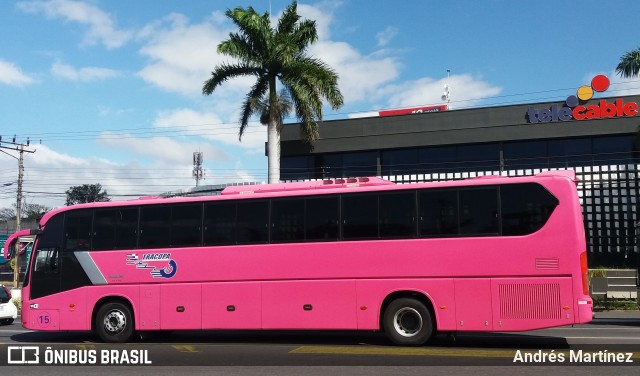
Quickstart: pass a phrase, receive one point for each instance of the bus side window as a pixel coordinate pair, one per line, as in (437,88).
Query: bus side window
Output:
(219,223)
(397,215)
(322,218)
(104,229)
(47,261)
(359,216)
(287,220)
(186,225)
(478,211)
(155,230)
(438,213)
(252,220)
(77,230)
(525,208)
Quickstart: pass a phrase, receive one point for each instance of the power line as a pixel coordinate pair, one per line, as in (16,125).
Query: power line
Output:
(232,127)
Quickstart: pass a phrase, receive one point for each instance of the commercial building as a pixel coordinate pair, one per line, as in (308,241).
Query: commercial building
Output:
(595,137)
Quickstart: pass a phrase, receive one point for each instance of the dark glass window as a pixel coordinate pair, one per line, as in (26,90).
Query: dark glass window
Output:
(186,225)
(525,154)
(220,223)
(359,216)
(483,157)
(478,211)
(155,230)
(287,220)
(613,149)
(126,228)
(571,151)
(252,222)
(397,214)
(525,208)
(438,213)
(322,218)
(77,230)
(104,229)
(360,164)
(47,261)
(397,162)
(613,144)
(53,232)
(328,166)
(437,159)
(296,168)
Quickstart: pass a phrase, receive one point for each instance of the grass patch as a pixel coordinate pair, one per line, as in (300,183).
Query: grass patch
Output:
(606,304)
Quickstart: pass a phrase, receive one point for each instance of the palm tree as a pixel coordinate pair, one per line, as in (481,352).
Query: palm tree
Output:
(274,55)
(629,65)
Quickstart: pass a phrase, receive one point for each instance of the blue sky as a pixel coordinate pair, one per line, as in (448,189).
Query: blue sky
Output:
(112,89)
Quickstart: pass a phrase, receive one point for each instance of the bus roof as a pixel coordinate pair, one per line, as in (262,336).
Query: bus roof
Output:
(307,185)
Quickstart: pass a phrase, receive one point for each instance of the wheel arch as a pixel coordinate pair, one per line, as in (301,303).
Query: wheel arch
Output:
(418,295)
(112,299)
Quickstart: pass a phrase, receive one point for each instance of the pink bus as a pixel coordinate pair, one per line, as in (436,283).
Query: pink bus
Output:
(482,254)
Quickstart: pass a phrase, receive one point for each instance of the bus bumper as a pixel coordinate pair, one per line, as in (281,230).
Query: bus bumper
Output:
(585,310)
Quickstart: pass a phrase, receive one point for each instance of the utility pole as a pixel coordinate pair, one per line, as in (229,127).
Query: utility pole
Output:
(20,148)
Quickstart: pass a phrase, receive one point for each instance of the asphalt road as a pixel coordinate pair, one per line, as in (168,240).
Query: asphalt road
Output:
(601,346)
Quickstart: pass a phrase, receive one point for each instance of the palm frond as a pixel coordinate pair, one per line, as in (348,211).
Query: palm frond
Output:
(250,104)
(227,71)
(629,65)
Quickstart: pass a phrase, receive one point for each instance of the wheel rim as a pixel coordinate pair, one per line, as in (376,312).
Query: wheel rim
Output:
(407,322)
(115,322)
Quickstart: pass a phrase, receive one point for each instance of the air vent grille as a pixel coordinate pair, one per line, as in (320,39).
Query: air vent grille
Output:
(530,301)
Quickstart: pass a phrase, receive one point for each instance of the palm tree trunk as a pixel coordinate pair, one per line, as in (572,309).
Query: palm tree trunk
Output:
(273,151)
(273,135)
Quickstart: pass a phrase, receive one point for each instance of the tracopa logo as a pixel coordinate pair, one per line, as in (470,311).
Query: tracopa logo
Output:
(573,109)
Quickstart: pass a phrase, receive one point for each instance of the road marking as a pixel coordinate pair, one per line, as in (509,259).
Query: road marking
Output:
(15,331)
(401,351)
(185,348)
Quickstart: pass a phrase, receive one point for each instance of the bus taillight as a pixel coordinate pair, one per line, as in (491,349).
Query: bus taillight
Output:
(584,269)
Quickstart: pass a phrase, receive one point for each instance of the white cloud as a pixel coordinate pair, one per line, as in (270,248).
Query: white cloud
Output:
(12,75)
(164,149)
(465,91)
(360,77)
(211,127)
(85,74)
(182,55)
(102,28)
(386,35)
(321,13)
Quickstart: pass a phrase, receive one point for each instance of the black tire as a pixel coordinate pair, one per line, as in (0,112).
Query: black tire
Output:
(114,323)
(6,321)
(407,322)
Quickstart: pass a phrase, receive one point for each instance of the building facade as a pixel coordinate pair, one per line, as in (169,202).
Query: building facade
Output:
(598,138)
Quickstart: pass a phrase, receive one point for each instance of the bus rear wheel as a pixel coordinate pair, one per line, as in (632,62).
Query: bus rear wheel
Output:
(114,323)
(407,322)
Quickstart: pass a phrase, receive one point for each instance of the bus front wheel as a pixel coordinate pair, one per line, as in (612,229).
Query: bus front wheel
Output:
(114,323)
(407,322)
